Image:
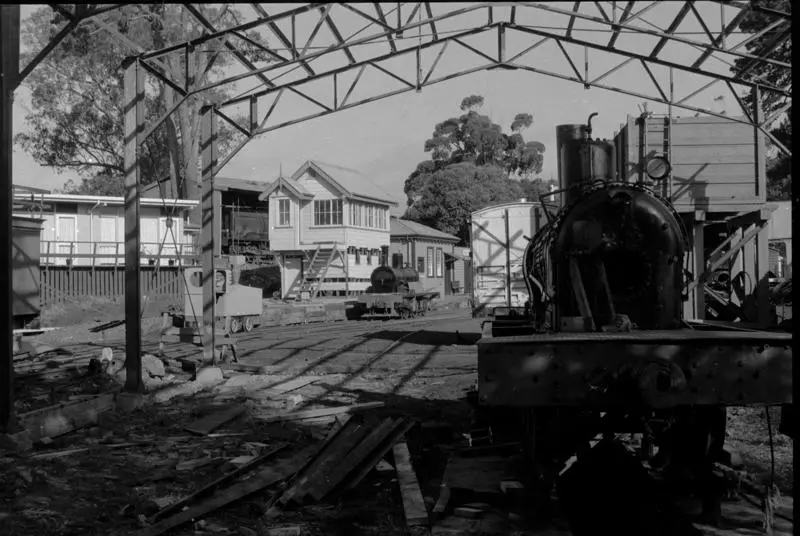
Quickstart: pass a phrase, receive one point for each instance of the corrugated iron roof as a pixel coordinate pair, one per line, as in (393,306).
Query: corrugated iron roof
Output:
(353,182)
(401,227)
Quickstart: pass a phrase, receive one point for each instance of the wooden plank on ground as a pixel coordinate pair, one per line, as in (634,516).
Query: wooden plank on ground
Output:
(344,442)
(265,478)
(60,419)
(247,367)
(413,504)
(324,412)
(314,463)
(351,461)
(442,501)
(378,454)
(292,385)
(209,423)
(205,490)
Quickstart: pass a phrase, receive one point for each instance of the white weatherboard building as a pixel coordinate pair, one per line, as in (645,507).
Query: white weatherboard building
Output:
(329,229)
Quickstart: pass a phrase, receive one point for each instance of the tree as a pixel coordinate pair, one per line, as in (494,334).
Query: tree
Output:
(779,167)
(77,119)
(473,164)
(450,194)
(473,137)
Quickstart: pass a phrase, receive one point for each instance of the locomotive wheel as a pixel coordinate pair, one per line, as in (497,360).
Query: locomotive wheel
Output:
(236,324)
(249,323)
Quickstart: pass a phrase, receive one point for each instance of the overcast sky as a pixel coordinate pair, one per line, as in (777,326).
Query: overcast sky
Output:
(384,140)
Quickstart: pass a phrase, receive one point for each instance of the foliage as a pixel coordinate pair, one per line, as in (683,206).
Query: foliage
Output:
(473,164)
(779,169)
(100,184)
(77,120)
(473,137)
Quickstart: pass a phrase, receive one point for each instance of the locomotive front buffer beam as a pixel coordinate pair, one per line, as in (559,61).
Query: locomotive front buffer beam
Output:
(653,369)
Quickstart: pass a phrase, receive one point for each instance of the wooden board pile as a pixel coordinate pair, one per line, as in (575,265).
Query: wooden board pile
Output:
(353,447)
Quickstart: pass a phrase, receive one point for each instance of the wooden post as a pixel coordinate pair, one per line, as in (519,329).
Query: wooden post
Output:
(762,239)
(9,72)
(698,253)
(134,122)
(207,232)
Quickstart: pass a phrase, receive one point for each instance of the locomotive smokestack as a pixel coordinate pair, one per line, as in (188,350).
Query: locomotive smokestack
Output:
(569,139)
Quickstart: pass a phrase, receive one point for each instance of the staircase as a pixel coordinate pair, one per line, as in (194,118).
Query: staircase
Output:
(317,268)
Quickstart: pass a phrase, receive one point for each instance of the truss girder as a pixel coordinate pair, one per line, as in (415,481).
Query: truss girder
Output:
(385,25)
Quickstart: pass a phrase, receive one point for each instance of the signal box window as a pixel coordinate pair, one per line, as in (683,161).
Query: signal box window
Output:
(439,262)
(328,212)
(421,265)
(430,262)
(284,218)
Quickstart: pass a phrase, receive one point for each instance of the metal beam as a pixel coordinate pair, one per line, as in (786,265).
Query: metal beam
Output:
(47,49)
(208,147)
(240,28)
(282,37)
(625,13)
(657,61)
(356,65)
(335,31)
(646,31)
(133,108)
(571,23)
(730,27)
(384,23)
(9,72)
(687,6)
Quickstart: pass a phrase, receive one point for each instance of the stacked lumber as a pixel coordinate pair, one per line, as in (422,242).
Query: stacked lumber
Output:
(353,447)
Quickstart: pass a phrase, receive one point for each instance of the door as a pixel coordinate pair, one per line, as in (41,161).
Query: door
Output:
(149,242)
(65,239)
(107,247)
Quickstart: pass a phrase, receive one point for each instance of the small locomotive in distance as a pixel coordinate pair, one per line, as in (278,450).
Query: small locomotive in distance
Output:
(394,293)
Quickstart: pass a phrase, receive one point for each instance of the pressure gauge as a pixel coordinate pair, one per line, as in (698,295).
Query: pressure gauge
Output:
(658,167)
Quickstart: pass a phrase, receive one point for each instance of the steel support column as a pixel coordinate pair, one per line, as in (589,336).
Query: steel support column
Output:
(697,297)
(9,72)
(207,233)
(133,107)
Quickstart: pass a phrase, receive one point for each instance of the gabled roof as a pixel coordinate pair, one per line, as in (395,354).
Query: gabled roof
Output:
(348,182)
(400,227)
(291,185)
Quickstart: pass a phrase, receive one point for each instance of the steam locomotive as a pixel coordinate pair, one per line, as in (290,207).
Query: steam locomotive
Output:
(603,347)
(394,293)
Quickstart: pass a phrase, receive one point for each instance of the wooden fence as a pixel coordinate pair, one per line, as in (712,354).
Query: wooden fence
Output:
(60,284)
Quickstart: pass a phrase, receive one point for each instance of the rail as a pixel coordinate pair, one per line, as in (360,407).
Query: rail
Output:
(94,254)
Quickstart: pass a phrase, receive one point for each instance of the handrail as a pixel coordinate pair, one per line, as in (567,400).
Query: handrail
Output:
(150,251)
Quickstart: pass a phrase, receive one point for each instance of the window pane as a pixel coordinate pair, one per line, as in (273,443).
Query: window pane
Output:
(429,262)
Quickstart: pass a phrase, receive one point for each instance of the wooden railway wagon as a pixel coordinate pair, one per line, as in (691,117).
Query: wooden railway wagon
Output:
(499,235)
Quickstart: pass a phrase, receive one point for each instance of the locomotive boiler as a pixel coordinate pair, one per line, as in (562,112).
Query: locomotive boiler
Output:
(394,292)
(610,351)
(387,280)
